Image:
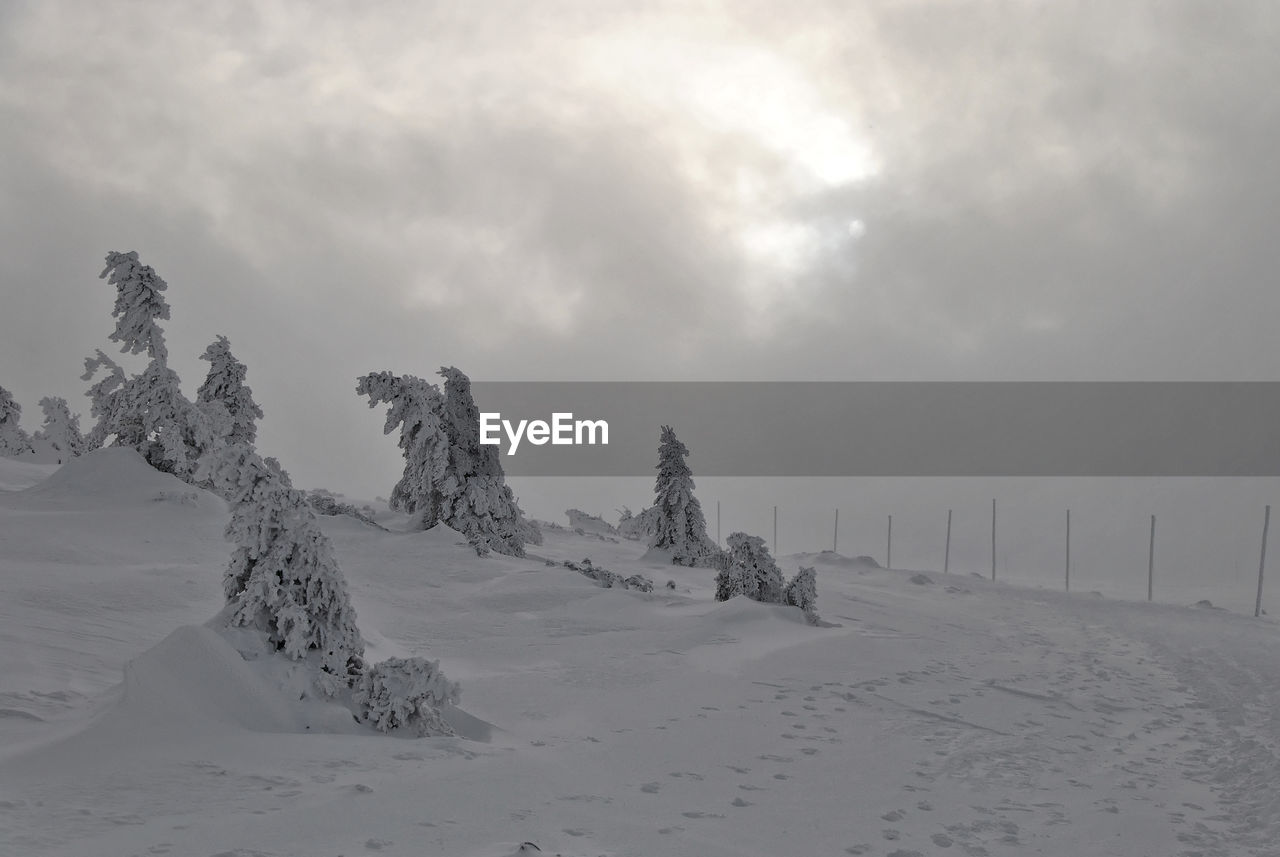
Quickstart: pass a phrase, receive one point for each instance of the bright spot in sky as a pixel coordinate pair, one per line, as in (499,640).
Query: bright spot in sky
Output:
(754,133)
(738,89)
(857,229)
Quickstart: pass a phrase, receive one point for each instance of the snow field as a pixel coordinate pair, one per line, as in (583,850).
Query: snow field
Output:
(940,715)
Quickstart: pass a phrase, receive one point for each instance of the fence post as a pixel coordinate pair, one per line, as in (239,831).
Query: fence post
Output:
(993,539)
(1151,558)
(718,542)
(1068,550)
(835,534)
(888,559)
(775,531)
(1262,561)
(946,556)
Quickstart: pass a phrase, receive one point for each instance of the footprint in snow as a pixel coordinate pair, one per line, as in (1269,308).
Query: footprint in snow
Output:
(650,788)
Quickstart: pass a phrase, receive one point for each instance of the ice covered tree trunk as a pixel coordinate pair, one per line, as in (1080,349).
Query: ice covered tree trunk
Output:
(13,440)
(283,578)
(680,526)
(224,385)
(61,429)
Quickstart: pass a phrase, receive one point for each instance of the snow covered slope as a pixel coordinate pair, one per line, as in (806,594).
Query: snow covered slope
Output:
(939,715)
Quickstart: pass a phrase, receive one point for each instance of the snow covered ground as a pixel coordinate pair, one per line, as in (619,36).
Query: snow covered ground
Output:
(939,715)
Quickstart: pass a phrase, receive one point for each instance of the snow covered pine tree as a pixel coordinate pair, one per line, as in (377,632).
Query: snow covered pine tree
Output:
(149,411)
(61,430)
(750,571)
(448,475)
(416,408)
(481,506)
(802,592)
(13,440)
(283,579)
(224,385)
(679,525)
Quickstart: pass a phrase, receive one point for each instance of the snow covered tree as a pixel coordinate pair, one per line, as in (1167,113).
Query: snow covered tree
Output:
(680,526)
(225,385)
(61,429)
(283,578)
(405,693)
(448,475)
(477,500)
(148,411)
(750,571)
(13,440)
(638,527)
(802,592)
(139,303)
(417,409)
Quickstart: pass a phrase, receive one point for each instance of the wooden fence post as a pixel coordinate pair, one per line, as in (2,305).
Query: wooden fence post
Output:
(946,556)
(1151,558)
(1262,561)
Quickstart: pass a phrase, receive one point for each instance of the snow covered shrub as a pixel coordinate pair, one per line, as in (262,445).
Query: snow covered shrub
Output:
(609,579)
(405,693)
(324,503)
(61,430)
(224,385)
(802,592)
(680,526)
(283,578)
(580,520)
(13,440)
(750,571)
(638,527)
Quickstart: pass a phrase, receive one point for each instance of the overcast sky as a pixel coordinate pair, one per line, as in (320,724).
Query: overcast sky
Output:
(595,190)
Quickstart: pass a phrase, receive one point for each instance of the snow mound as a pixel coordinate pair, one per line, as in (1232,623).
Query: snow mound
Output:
(195,679)
(17,474)
(921,579)
(657,556)
(443,535)
(741,610)
(111,476)
(835,559)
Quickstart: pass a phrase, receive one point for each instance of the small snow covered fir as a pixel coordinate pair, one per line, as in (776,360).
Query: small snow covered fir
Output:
(405,694)
(749,569)
(224,385)
(416,408)
(802,592)
(283,578)
(13,440)
(61,430)
(449,476)
(148,411)
(679,523)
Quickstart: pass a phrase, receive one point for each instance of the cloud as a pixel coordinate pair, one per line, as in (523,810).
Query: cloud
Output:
(590,190)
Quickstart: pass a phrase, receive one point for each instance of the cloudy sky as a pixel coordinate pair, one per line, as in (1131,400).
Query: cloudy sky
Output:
(657,190)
